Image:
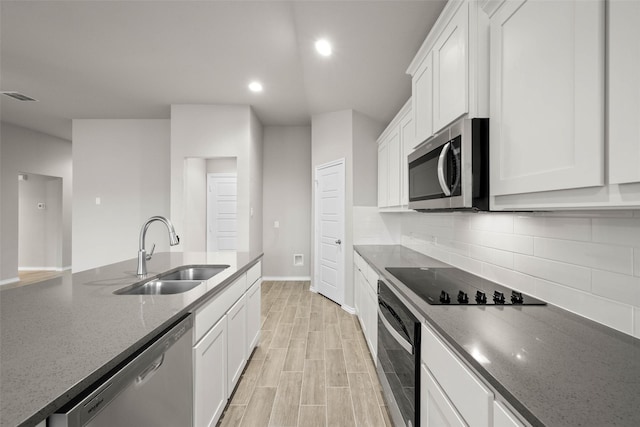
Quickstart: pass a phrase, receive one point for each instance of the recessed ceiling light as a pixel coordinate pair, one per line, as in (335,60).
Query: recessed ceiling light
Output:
(323,47)
(255,86)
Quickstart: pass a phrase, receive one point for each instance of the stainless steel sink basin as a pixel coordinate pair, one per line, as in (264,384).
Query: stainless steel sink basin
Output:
(175,282)
(194,273)
(160,287)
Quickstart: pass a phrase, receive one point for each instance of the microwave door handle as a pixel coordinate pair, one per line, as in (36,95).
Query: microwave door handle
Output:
(441,178)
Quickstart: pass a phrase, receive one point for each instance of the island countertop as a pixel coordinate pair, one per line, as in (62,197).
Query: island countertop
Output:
(59,336)
(554,367)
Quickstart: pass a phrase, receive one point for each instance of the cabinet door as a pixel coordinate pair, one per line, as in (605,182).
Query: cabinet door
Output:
(435,408)
(372,321)
(236,342)
(383,174)
(210,375)
(394,169)
(253,316)
(450,70)
(624,91)
(547,102)
(422,100)
(407,140)
(502,417)
(356,288)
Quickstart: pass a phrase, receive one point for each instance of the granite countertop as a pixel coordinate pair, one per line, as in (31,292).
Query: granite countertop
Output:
(555,368)
(59,336)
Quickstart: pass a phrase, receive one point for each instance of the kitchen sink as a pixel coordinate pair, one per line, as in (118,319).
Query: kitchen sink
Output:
(194,273)
(175,282)
(160,287)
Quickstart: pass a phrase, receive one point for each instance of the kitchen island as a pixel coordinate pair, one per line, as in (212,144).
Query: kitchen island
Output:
(551,366)
(59,336)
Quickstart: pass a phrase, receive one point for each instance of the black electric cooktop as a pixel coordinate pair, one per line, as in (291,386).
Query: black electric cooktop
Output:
(451,286)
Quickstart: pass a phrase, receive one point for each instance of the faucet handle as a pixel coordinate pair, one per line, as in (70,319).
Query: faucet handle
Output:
(148,257)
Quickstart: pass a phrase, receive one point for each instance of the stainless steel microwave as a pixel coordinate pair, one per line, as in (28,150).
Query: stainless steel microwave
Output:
(451,170)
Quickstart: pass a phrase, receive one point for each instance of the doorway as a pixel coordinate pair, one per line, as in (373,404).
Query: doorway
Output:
(329,230)
(39,224)
(222,211)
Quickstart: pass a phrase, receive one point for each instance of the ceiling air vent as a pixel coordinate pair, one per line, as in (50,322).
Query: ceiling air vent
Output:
(19,96)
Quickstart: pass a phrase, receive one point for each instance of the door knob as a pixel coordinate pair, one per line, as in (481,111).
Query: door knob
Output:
(338,242)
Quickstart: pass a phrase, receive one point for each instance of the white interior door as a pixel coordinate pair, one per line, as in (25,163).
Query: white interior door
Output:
(222,207)
(329,226)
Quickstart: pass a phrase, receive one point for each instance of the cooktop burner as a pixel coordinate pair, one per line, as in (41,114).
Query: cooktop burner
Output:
(451,286)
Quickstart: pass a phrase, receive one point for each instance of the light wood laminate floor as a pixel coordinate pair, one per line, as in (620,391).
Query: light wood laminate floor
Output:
(311,368)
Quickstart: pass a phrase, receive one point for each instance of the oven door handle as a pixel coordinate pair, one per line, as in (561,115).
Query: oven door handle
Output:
(403,342)
(441,178)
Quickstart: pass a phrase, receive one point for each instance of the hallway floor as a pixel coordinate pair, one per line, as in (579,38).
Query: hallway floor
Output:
(311,368)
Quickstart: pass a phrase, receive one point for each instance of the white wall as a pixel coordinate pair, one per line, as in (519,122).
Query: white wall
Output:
(40,230)
(126,164)
(287,199)
(588,263)
(24,150)
(210,131)
(222,165)
(194,233)
(365,159)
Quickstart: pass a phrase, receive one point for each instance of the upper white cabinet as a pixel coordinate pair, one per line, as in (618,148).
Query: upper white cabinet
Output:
(624,91)
(408,142)
(450,71)
(422,99)
(450,82)
(547,96)
(392,159)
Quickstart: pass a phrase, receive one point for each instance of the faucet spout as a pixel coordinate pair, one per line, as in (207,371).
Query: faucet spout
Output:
(143,257)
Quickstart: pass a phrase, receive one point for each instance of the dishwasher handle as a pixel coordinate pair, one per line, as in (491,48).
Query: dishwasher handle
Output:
(139,368)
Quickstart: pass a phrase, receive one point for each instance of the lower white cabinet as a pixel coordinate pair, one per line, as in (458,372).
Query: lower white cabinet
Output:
(210,375)
(236,342)
(502,417)
(435,409)
(366,302)
(253,316)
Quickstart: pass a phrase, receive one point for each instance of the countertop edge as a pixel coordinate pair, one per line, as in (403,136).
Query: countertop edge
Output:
(105,369)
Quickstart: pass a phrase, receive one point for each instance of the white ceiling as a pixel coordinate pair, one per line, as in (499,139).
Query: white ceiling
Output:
(133,59)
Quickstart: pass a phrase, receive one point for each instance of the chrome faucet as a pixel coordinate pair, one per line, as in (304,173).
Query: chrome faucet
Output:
(142,254)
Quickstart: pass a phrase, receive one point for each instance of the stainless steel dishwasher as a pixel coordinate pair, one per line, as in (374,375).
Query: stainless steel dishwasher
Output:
(153,388)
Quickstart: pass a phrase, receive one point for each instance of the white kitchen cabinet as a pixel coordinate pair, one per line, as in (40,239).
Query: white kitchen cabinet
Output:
(422,99)
(253,316)
(392,160)
(450,80)
(502,417)
(408,141)
(366,292)
(450,71)
(435,408)
(210,375)
(624,91)
(236,342)
(547,96)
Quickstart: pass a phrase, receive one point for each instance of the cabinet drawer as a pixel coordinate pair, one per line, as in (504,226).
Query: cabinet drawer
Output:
(211,312)
(254,273)
(372,278)
(470,397)
(502,417)
(357,259)
(435,407)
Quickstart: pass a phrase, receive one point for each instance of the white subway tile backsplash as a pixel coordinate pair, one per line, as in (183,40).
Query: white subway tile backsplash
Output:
(611,313)
(619,287)
(585,262)
(557,228)
(560,272)
(604,257)
(501,223)
(617,231)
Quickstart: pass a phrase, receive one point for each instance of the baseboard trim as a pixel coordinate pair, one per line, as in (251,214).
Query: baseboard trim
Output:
(287,278)
(9,281)
(348,309)
(39,269)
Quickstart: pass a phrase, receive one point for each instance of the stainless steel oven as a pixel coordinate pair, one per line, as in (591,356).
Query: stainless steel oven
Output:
(398,357)
(451,170)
